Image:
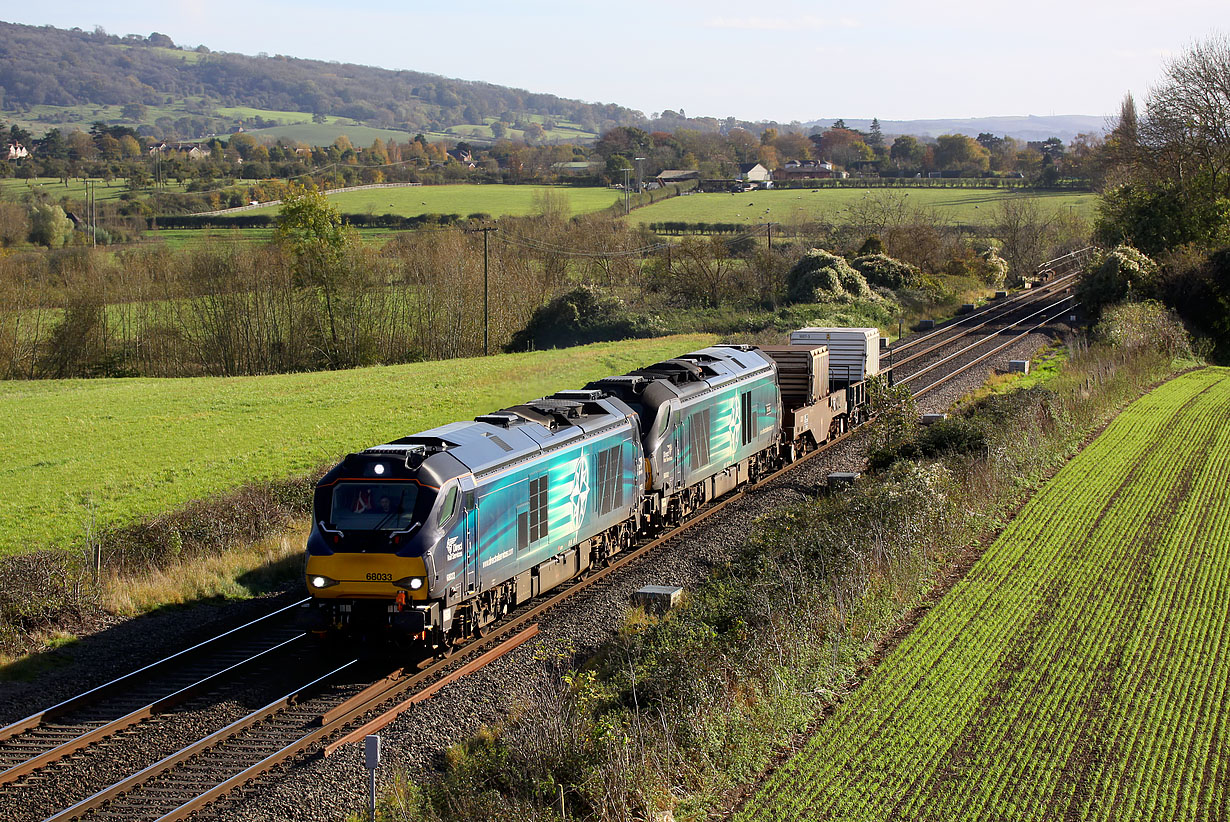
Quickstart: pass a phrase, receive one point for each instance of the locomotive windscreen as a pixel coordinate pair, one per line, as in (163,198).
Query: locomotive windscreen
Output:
(371,506)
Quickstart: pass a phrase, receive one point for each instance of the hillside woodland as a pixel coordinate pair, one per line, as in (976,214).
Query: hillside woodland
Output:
(46,66)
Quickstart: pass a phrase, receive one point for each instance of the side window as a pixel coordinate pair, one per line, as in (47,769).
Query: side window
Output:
(747,416)
(450,506)
(610,480)
(538,508)
(698,439)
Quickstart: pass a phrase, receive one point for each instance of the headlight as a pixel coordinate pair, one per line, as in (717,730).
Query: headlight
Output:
(411,583)
(322,582)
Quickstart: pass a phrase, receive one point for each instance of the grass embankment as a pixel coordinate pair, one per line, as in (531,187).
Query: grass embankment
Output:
(110,452)
(1079,670)
(796,206)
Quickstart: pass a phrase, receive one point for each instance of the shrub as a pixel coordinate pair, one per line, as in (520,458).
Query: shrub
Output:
(880,269)
(49,226)
(1145,325)
(578,317)
(823,277)
(1115,275)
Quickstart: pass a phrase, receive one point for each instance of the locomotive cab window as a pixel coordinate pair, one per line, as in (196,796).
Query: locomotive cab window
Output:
(449,507)
(370,506)
(664,418)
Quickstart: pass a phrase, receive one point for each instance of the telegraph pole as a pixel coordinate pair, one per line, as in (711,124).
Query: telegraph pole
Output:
(486,301)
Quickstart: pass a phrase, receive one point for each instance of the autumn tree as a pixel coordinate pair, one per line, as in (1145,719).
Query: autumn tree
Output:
(311,233)
(958,152)
(907,152)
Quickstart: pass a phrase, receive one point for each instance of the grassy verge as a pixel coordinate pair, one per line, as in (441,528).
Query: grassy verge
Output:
(243,571)
(679,712)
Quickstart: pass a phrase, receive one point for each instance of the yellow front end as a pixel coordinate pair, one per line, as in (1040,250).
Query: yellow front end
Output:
(365,576)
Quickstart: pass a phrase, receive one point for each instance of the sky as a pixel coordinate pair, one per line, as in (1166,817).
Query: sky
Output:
(784,61)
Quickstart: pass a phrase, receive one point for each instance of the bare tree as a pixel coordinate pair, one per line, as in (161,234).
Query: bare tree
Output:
(1186,131)
(1025,235)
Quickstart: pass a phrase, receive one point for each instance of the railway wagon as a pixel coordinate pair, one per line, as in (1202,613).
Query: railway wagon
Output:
(434,535)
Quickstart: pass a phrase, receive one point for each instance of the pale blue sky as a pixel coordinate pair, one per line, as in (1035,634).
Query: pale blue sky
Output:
(784,60)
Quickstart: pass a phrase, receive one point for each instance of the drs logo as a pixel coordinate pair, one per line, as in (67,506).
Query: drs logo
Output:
(379,577)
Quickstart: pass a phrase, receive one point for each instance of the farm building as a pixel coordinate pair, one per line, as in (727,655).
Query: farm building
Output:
(808,170)
(676,175)
(754,173)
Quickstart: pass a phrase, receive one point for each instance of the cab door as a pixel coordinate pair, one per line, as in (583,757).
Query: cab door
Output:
(470,582)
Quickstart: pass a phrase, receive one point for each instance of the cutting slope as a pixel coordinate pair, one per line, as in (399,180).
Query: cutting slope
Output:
(1079,671)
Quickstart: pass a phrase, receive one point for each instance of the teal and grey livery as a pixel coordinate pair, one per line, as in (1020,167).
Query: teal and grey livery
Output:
(433,536)
(526,498)
(710,422)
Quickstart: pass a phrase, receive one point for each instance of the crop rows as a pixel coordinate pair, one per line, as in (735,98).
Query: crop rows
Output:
(1080,669)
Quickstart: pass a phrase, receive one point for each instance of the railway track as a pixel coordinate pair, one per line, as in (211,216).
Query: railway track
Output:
(331,709)
(1063,271)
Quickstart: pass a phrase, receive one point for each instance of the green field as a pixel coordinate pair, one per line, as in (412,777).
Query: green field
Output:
(177,238)
(792,206)
(131,448)
(496,200)
(14,189)
(323,134)
(1080,669)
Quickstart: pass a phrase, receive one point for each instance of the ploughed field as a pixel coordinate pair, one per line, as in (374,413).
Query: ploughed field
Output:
(1080,669)
(107,452)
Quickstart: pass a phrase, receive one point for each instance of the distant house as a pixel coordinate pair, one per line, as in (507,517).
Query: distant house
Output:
(463,157)
(676,175)
(17,151)
(754,173)
(198,153)
(158,149)
(808,170)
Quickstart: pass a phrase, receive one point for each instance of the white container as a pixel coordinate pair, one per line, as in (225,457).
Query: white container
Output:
(852,351)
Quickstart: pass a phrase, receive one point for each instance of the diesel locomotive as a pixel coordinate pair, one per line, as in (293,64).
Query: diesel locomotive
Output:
(427,539)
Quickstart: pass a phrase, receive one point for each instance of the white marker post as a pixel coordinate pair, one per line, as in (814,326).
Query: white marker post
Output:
(371,751)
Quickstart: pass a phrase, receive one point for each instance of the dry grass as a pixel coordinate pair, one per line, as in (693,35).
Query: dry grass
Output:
(235,574)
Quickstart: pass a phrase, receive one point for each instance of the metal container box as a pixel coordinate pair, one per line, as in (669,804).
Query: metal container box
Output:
(854,353)
(1021,366)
